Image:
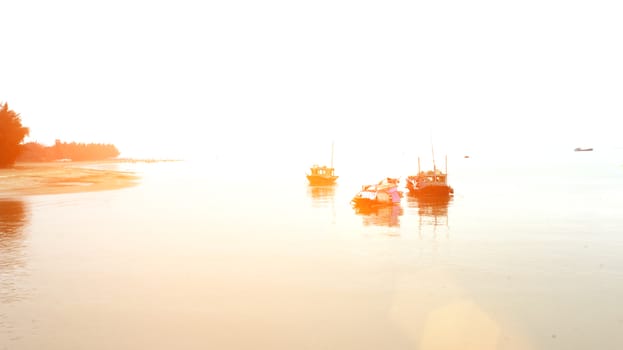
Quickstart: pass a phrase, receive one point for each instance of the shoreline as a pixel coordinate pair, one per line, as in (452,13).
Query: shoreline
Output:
(34,178)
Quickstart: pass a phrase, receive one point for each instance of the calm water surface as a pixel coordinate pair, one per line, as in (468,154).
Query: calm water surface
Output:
(528,255)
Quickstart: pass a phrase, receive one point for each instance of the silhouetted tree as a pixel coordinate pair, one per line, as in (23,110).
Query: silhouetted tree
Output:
(12,134)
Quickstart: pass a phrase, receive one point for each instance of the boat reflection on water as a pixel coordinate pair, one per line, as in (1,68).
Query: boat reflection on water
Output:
(13,218)
(12,221)
(432,211)
(435,208)
(380,216)
(322,196)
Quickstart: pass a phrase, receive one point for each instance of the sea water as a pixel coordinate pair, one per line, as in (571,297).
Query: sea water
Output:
(526,255)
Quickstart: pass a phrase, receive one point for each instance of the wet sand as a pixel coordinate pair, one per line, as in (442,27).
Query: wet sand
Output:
(56,178)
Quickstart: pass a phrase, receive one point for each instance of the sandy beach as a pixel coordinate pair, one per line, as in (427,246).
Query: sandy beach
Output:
(55,178)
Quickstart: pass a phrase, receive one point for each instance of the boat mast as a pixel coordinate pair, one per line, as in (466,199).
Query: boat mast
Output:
(433,151)
(446,168)
(332,142)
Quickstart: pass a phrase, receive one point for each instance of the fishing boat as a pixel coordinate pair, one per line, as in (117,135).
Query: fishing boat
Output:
(579,149)
(322,175)
(384,193)
(431,183)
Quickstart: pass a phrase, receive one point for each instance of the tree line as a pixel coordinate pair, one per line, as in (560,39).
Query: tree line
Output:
(36,152)
(12,134)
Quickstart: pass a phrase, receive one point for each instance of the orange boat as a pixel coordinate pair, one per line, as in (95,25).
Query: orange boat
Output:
(322,175)
(432,183)
(382,194)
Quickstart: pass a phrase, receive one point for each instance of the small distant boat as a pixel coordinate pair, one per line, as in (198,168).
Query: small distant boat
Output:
(578,149)
(432,183)
(322,175)
(384,193)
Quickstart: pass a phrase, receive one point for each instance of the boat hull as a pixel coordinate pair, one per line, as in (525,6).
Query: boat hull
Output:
(374,196)
(433,191)
(430,190)
(367,204)
(317,180)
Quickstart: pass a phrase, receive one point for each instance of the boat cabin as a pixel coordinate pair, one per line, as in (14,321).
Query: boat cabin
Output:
(321,171)
(432,177)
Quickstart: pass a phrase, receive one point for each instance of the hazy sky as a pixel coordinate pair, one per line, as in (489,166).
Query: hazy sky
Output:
(194,78)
